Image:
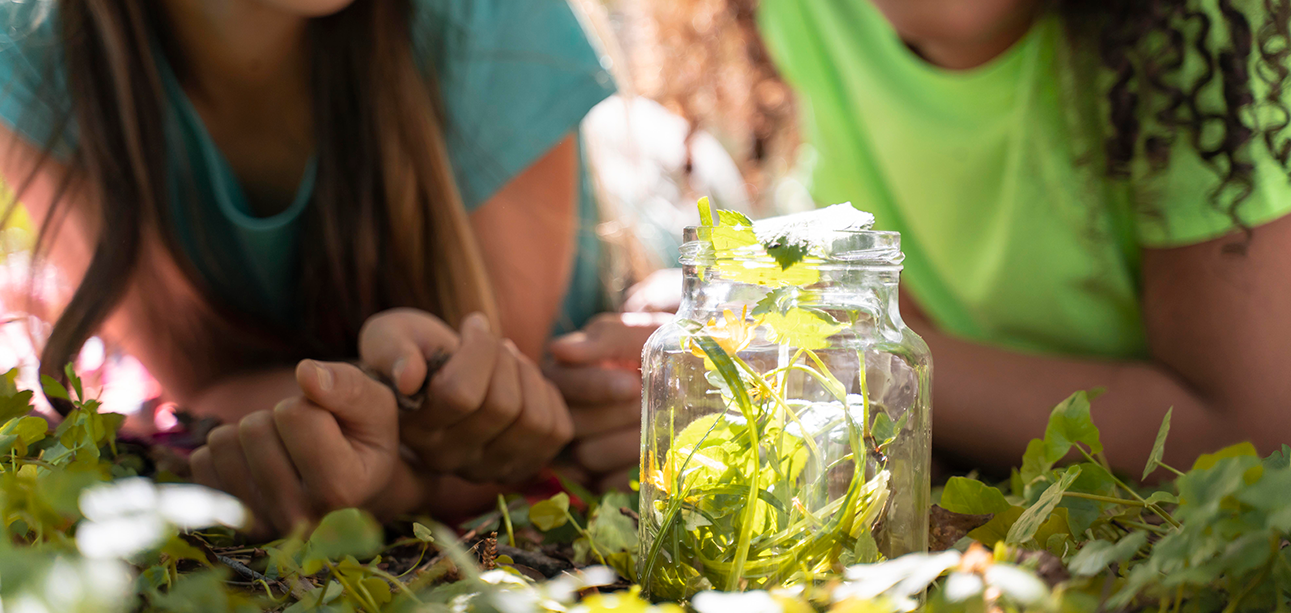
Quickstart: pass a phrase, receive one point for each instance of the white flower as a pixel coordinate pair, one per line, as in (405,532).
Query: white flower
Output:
(130,516)
(565,587)
(190,507)
(962,586)
(75,585)
(902,577)
(735,602)
(1018,585)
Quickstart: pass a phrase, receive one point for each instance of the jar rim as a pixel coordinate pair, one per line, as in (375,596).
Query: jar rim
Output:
(878,249)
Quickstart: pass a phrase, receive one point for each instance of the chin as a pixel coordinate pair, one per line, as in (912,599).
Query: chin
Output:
(928,20)
(310,8)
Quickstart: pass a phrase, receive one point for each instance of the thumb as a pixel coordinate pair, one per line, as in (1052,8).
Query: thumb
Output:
(364,408)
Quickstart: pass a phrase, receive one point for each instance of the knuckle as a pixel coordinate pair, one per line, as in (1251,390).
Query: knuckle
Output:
(289,413)
(564,431)
(222,436)
(255,425)
(454,396)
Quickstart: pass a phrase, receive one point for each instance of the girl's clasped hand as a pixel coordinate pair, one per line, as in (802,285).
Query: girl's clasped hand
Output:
(489,417)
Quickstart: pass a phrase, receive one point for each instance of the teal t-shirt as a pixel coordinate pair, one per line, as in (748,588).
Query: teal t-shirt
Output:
(515,77)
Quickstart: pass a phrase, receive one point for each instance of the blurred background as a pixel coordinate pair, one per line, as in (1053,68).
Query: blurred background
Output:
(702,113)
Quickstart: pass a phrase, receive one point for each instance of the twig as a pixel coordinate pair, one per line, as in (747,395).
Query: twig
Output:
(241,569)
(547,565)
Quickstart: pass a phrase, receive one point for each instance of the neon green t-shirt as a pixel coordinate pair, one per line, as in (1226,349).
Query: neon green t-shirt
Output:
(1009,240)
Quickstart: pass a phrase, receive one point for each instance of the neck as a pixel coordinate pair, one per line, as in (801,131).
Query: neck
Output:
(968,53)
(237,47)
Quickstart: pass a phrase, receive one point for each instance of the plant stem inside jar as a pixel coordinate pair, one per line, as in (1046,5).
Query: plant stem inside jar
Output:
(749,498)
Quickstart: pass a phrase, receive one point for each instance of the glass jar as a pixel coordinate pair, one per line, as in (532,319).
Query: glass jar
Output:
(759,352)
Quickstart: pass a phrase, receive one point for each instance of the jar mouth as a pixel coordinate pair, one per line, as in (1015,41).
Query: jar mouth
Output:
(857,249)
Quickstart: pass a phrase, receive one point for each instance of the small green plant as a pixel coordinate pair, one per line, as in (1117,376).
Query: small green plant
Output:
(747,498)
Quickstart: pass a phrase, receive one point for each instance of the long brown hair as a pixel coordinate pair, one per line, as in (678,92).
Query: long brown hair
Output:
(385,227)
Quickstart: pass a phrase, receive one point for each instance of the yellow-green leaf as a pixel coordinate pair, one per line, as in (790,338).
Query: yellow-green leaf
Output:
(972,497)
(1158,448)
(799,328)
(1026,527)
(1208,460)
(423,533)
(551,513)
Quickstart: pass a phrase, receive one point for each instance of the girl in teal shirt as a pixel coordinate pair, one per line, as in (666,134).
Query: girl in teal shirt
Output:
(237,185)
(1089,194)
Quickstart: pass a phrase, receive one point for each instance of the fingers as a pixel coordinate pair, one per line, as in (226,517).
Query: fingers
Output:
(592,421)
(543,428)
(275,476)
(230,467)
(610,453)
(610,337)
(337,473)
(364,408)
(463,443)
(460,387)
(592,385)
(397,343)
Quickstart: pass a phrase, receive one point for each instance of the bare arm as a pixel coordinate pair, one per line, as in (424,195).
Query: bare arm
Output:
(1220,339)
(526,233)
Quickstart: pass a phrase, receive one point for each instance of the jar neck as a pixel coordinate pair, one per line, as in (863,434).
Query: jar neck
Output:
(870,290)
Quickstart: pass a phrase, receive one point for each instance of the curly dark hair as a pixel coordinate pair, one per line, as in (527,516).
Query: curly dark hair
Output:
(1145,44)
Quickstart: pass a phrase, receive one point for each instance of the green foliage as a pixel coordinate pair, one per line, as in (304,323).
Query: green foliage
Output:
(1212,540)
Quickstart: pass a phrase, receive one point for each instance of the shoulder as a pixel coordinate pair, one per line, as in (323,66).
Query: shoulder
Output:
(515,78)
(452,30)
(33,89)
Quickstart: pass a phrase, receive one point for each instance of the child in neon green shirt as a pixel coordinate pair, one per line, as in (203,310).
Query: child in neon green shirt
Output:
(1084,201)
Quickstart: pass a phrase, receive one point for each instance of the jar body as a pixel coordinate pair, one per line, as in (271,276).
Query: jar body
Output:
(785,434)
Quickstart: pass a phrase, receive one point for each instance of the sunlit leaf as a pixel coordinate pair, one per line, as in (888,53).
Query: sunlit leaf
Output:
(801,328)
(972,497)
(1158,448)
(1070,423)
(1208,460)
(733,218)
(348,532)
(705,212)
(1035,462)
(52,388)
(75,382)
(1162,498)
(1030,521)
(423,533)
(997,530)
(1095,556)
(551,513)
(17,434)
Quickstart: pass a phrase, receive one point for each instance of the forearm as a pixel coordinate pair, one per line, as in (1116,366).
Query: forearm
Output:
(988,403)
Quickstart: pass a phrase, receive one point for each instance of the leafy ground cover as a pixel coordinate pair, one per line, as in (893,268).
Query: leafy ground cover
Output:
(97,524)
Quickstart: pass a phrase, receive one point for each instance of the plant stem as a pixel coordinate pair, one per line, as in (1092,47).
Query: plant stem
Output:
(345,584)
(1108,499)
(400,585)
(506,519)
(590,543)
(1152,507)
(1169,468)
(1148,527)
